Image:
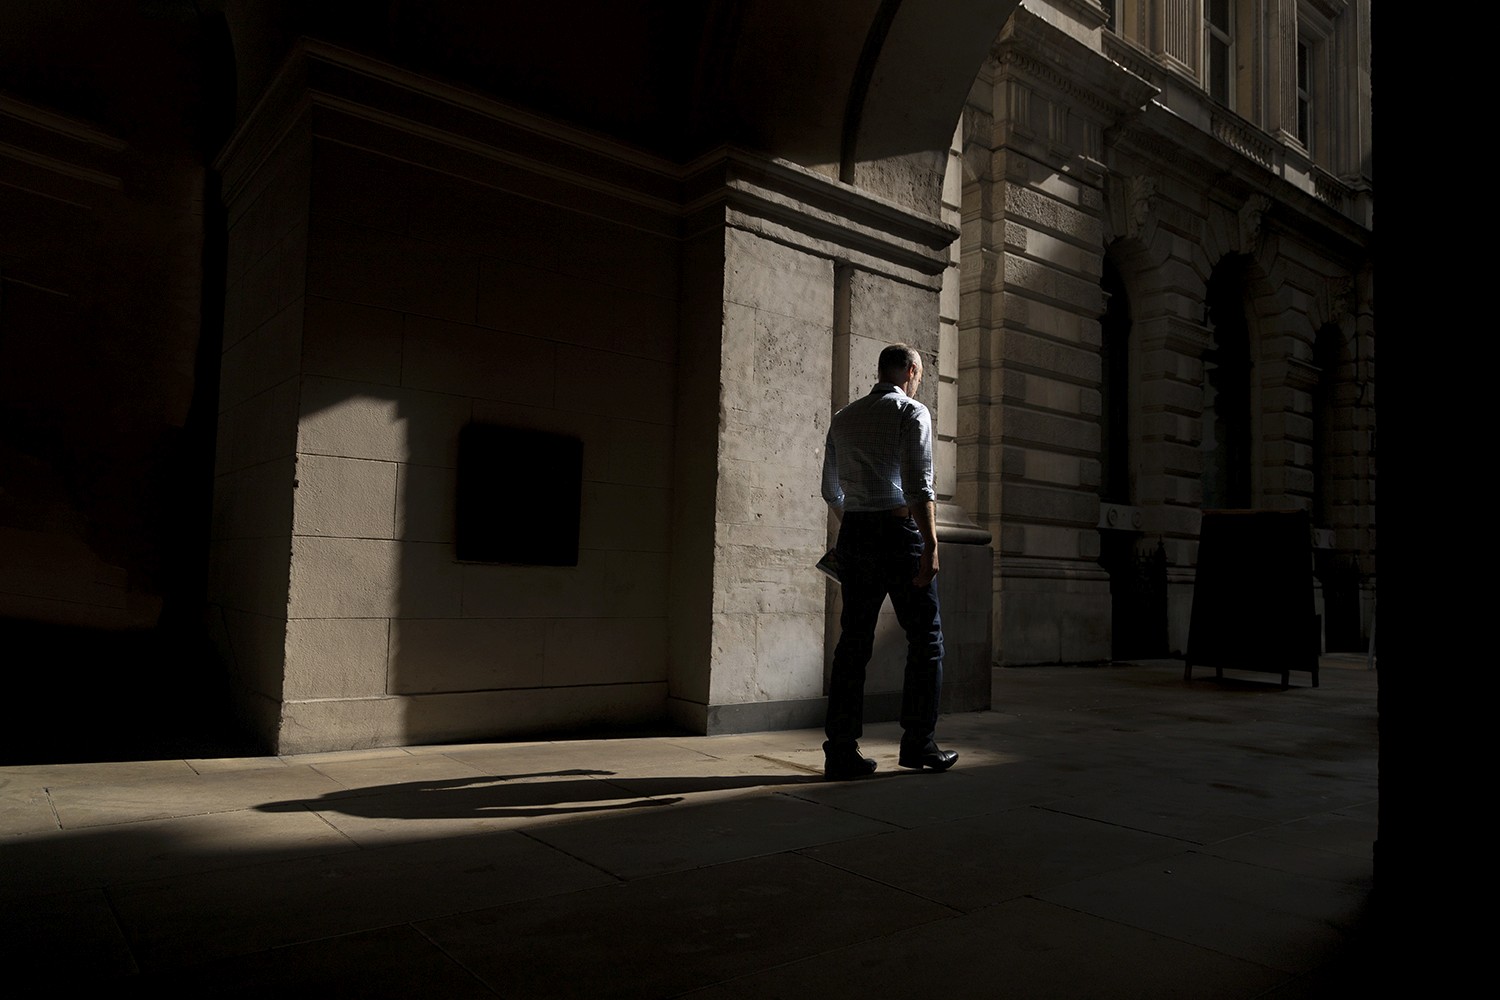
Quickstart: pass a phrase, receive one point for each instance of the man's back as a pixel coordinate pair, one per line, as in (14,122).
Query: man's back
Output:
(879,452)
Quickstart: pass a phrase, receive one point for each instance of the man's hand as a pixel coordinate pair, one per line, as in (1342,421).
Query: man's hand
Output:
(928,569)
(925,514)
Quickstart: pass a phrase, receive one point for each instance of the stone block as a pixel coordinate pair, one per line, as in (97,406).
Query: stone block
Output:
(426,498)
(342,724)
(776,278)
(589,311)
(466,654)
(250,575)
(345,578)
(949,297)
(946,416)
(348,341)
(1042,466)
(350,497)
(448,718)
(602,585)
(766,657)
(262,428)
(636,452)
(362,187)
(1042,355)
(257,648)
(629,518)
(624,256)
(1027,502)
(887,312)
(372,578)
(789,658)
(1047,214)
(591,381)
(258,295)
(468,360)
(1050,430)
(1045,541)
(255,502)
(605,651)
(360,420)
(737,355)
(335,657)
(732,651)
(945,467)
(269,356)
(373,267)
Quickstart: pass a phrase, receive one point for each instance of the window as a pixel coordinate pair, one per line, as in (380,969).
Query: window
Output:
(1218,32)
(1304,94)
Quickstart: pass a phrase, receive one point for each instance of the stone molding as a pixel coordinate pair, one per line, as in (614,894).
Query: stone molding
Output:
(59,145)
(782,201)
(1030,48)
(772,197)
(956,527)
(1016,567)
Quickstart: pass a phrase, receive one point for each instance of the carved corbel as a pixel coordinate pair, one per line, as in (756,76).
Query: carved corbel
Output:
(1340,299)
(1252,217)
(1140,201)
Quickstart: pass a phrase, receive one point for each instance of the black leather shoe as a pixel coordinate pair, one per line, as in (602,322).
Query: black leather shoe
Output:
(843,764)
(931,758)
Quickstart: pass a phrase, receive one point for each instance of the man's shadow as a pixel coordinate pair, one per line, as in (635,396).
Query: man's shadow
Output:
(521,795)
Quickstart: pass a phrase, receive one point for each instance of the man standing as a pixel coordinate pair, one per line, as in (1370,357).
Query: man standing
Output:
(877,477)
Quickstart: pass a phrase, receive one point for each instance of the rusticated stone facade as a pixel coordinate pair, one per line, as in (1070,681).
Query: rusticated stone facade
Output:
(1166,307)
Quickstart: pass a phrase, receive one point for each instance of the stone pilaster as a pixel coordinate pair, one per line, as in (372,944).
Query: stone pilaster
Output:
(1031,341)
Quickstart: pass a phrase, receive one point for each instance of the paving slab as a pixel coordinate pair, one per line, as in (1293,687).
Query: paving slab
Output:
(25,807)
(908,798)
(63,935)
(1264,915)
(658,937)
(983,860)
(164,796)
(186,920)
(1021,948)
(389,963)
(1334,845)
(478,804)
(138,852)
(693,836)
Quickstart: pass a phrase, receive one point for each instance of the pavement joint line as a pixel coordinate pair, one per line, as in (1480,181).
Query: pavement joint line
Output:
(114,915)
(847,812)
(787,763)
(1126,826)
(619,879)
(451,957)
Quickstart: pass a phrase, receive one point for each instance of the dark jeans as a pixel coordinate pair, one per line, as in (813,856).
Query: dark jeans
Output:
(878,556)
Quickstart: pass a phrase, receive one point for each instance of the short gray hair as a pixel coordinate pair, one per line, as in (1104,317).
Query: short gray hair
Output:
(895,360)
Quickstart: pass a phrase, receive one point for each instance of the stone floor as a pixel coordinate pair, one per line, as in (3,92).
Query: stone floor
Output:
(1108,832)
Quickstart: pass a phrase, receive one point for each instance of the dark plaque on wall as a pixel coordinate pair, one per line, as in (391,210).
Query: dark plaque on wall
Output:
(520,495)
(1253,596)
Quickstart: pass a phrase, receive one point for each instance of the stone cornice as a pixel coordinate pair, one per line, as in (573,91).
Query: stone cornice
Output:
(335,93)
(1032,49)
(66,147)
(1174,145)
(1293,372)
(832,218)
(324,77)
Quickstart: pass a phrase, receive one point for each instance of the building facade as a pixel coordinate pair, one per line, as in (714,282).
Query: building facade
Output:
(1167,307)
(259,298)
